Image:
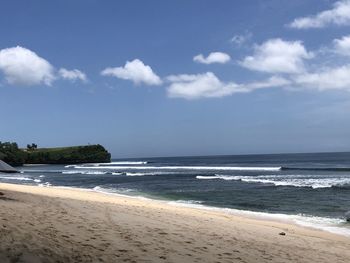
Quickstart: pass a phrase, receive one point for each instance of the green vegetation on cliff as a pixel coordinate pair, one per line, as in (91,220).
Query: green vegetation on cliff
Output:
(69,155)
(10,153)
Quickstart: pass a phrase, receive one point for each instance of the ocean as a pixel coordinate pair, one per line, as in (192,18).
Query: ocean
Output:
(308,189)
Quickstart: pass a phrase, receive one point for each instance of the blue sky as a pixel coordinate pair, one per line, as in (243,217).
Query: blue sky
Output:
(172,78)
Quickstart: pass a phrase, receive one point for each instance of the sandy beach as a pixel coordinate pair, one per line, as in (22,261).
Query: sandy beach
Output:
(46,224)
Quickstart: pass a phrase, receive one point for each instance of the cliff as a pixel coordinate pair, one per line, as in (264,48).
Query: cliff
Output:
(10,153)
(69,155)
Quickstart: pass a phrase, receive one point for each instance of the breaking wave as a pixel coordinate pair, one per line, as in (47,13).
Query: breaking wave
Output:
(330,169)
(93,172)
(83,172)
(291,180)
(150,173)
(215,168)
(19,178)
(109,164)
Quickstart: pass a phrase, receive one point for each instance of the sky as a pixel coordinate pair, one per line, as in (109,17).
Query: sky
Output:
(176,78)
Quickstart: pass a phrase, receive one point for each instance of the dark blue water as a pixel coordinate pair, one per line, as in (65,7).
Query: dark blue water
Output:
(308,185)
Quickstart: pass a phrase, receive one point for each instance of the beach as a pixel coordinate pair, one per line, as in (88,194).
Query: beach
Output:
(48,224)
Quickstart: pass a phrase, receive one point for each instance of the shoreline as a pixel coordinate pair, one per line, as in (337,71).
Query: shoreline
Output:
(297,220)
(59,215)
(307,222)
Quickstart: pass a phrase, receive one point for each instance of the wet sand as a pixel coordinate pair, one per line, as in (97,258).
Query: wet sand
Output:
(40,224)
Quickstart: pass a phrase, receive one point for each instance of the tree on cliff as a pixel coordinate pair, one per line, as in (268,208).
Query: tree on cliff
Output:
(11,154)
(32,147)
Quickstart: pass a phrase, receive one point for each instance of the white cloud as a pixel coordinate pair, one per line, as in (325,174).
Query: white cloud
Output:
(278,56)
(338,15)
(72,75)
(22,66)
(342,46)
(207,85)
(136,71)
(213,57)
(241,39)
(274,81)
(326,79)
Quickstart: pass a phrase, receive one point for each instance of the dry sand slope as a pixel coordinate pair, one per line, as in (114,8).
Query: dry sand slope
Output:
(64,225)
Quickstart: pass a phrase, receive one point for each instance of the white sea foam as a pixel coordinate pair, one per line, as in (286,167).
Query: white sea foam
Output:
(83,172)
(213,177)
(289,180)
(34,164)
(108,164)
(37,180)
(217,168)
(19,178)
(123,163)
(136,174)
(71,172)
(46,184)
(65,171)
(150,173)
(41,171)
(185,202)
(101,189)
(94,172)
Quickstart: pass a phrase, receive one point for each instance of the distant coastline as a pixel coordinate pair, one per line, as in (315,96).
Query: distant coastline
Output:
(13,155)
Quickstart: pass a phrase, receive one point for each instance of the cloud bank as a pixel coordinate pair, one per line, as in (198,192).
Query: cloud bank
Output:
(135,71)
(326,79)
(208,85)
(285,61)
(338,15)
